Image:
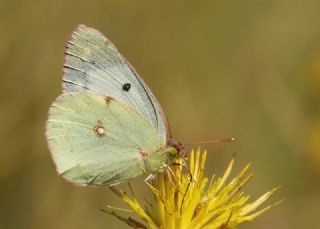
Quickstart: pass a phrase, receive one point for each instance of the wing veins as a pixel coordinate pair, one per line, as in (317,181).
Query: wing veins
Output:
(74,83)
(146,92)
(91,75)
(125,97)
(79,46)
(70,122)
(124,64)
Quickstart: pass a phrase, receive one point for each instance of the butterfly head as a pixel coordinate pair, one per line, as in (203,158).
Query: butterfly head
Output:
(180,151)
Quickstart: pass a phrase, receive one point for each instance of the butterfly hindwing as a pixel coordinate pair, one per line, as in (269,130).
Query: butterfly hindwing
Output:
(97,140)
(92,63)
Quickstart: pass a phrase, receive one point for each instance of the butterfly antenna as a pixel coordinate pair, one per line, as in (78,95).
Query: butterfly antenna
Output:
(222,140)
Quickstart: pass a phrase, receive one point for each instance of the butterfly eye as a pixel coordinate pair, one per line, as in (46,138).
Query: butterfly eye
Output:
(126,87)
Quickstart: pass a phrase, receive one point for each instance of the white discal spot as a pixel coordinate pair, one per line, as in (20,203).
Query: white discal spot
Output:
(100,130)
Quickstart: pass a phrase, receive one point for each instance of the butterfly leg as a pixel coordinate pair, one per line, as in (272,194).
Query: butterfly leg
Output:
(155,191)
(171,175)
(191,179)
(150,177)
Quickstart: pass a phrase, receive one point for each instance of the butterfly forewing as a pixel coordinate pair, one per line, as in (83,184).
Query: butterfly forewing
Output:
(93,63)
(97,140)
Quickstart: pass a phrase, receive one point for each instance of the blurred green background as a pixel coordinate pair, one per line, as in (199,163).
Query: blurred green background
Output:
(246,69)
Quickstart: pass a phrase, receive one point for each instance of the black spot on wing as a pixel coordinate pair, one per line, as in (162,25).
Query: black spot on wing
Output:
(126,86)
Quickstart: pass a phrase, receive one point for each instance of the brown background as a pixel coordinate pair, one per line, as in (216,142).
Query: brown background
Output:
(245,69)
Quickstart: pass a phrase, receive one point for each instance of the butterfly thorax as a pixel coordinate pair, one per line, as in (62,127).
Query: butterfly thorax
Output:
(155,160)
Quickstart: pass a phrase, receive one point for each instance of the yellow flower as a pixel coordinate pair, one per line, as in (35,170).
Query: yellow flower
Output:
(185,203)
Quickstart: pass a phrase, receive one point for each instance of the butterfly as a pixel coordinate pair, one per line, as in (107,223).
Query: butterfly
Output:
(106,127)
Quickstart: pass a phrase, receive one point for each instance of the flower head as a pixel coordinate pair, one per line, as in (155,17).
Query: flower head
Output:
(190,200)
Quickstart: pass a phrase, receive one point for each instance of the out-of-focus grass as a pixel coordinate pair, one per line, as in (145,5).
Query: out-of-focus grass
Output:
(243,69)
